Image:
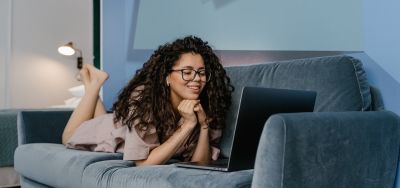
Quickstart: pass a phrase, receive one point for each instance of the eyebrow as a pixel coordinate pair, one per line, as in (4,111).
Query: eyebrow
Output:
(190,67)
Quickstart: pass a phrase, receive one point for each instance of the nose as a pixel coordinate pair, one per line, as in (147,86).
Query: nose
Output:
(196,77)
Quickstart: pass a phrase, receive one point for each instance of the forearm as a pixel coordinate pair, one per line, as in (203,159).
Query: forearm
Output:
(165,151)
(202,151)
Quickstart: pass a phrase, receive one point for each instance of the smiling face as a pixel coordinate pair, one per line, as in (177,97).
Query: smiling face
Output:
(181,89)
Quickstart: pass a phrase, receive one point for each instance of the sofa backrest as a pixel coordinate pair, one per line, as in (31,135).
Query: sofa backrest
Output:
(340,83)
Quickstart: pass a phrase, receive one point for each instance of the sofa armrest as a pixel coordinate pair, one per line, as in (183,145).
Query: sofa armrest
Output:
(41,126)
(328,149)
(8,137)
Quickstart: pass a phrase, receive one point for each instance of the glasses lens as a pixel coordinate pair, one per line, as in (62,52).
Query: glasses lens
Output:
(204,75)
(208,76)
(189,75)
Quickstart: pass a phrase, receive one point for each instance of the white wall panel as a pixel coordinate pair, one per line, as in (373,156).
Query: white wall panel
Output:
(5,47)
(38,76)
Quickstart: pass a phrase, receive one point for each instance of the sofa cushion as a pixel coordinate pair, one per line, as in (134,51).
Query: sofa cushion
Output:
(116,173)
(28,183)
(54,165)
(340,83)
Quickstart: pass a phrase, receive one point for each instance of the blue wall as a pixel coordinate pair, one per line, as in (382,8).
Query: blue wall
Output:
(117,60)
(253,24)
(248,26)
(382,45)
(380,34)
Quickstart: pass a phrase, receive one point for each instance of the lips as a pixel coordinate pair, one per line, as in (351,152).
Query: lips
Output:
(195,88)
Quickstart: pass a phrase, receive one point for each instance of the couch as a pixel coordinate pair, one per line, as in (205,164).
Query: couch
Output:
(348,141)
(8,140)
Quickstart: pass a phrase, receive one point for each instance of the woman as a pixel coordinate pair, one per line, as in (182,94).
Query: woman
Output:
(173,107)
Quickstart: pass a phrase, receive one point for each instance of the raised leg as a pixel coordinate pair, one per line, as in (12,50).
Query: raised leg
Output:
(100,108)
(93,79)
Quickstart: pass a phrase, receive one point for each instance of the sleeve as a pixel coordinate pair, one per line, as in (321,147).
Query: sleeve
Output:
(215,137)
(138,143)
(94,135)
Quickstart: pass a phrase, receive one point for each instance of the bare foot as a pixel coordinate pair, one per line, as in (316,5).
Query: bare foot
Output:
(85,77)
(97,77)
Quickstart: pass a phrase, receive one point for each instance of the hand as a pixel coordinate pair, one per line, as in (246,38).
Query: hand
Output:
(186,110)
(201,115)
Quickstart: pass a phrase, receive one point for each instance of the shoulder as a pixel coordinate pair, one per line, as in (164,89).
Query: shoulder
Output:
(147,131)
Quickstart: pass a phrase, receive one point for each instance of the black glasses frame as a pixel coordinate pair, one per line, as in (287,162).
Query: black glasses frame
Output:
(197,72)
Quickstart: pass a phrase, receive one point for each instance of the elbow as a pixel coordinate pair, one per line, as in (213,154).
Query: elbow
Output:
(64,141)
(140,162)
(65,137)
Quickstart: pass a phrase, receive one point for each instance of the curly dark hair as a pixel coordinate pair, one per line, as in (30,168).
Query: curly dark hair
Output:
(146,98)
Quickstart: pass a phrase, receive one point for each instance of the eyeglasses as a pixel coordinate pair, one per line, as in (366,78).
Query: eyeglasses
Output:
(190,74)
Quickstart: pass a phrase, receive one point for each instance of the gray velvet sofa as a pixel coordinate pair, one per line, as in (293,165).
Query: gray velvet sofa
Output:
(348,141)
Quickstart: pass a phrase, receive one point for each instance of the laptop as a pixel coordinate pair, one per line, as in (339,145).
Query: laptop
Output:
(256,106)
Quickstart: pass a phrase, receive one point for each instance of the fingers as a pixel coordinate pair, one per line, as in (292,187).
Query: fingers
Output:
(186,109)
(198,108)
(188,106)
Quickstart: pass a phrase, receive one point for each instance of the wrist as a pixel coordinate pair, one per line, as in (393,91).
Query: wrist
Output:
(203,126)
(188,125)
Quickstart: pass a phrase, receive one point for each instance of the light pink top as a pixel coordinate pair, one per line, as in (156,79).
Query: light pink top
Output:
(101,134)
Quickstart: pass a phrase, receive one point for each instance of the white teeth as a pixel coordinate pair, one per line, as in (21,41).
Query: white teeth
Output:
(194,87)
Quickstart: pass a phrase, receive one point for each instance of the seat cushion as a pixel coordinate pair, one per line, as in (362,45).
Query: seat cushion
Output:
(54,165)
(117,173)
(28,183)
